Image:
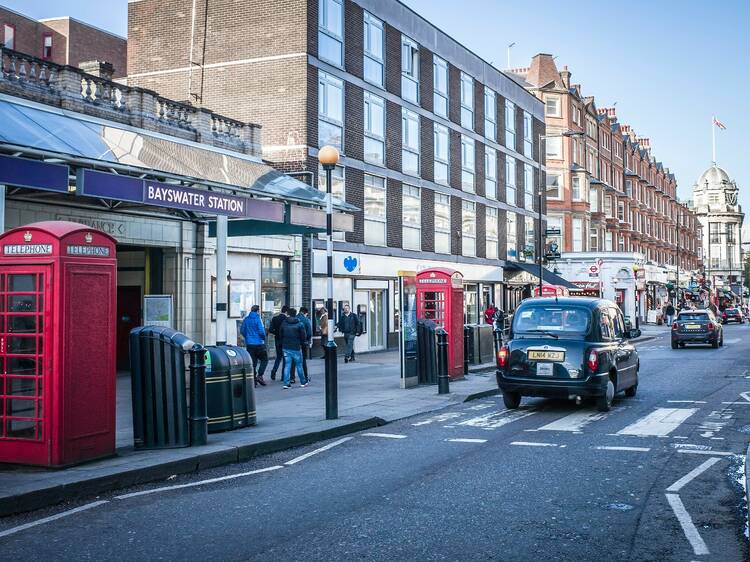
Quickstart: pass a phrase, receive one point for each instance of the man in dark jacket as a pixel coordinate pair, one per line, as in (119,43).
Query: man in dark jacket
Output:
(303,317)
(276,322)
(293,336)
(255,341)
(349,325)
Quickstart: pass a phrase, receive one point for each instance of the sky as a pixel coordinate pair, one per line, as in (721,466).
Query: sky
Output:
(670,65)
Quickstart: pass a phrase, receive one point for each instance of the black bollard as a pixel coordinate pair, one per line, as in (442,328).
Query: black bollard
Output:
(442,361)
(332,393)
(467,346)
(198,417)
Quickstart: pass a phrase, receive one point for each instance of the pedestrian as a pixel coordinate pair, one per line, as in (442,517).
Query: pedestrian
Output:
(276,322)
(669,311)
(293,337)
(255,342)
(349,325)
(303,317)
(489,314)
(323,322)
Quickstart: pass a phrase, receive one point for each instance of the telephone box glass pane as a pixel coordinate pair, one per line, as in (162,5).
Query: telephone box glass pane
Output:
(22,366)
(22,283)
(22,324)
(22,345)
(21,408)
(22,303)
(21,428)
(21,386)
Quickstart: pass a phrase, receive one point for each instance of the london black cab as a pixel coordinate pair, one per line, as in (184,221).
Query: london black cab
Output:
(571,348)
(697,326)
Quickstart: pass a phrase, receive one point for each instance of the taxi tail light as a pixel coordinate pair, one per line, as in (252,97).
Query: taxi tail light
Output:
(592,361)
(711,327)
(502,357)
(674,325)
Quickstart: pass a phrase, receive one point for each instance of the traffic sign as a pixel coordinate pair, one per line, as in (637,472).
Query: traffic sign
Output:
(593,269)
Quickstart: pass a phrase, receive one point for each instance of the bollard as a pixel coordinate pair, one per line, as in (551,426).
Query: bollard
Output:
(498,337)
(467,345)
(198,416)
(332,394)
(442,361)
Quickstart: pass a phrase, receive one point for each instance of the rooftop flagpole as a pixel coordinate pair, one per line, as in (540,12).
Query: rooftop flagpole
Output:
(713,139)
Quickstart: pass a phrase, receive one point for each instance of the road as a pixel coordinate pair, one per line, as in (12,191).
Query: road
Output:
(657,478)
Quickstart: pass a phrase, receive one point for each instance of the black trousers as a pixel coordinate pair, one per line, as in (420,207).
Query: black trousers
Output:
(259,355)
(279,357)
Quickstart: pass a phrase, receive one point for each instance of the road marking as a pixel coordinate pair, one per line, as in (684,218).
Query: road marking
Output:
(637,449)
(316,451)
(385,435)
(688,527)
(695,452)
(467,440)
(533,444)
(575,422)
(685,401)
(493,420)
(200,483)
(697,471)
(441,418)
(660,422)
(51,518)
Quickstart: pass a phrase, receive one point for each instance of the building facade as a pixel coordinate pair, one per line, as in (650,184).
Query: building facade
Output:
(440,150)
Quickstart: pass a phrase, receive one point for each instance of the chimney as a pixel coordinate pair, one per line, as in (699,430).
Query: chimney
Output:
(645,143)
(565,77)
(97,68)
(542,70)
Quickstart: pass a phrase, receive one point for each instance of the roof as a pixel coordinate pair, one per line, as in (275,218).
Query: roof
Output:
(533,269)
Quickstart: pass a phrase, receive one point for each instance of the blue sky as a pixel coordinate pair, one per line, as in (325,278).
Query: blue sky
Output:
(670,65)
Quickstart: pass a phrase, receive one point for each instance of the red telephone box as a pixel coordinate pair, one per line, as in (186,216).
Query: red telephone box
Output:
(440,298)
(58,287)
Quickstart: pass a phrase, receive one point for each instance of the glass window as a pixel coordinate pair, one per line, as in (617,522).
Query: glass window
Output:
(440,86)
(555,221)
(490,114)
(528,186)
(553,147)
(330,111)
(593,239)
(409,70)
(530,241)
(331,31)
(594,199)
(442,223)
(528,135)
(47,46)
(374,129)
(441,154)
(608,241)
(337,190)
(274,288)
(410,142)
(467,164)
(552,106)
(511,237)
(491,233)
(468,228)
(510,124)
(9,36)
(554,185)
(412,218)
(375,219)
(575,188)
(510,180)
(577,235)
(490,172)
(373,71)
(467,101)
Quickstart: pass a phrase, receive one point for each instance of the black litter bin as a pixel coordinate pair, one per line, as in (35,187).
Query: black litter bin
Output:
(230,390)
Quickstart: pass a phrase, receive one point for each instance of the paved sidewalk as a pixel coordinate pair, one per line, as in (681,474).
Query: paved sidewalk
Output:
(369,396)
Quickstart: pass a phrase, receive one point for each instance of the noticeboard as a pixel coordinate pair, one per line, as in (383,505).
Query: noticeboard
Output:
(157,310)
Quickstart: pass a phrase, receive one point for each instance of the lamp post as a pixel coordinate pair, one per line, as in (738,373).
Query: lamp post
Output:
(329,157)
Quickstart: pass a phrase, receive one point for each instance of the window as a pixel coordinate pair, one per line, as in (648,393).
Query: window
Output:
(530,242)
(490,114)
(576,114)
(510,180)
(554,185)
(621,243)
(373,71)
(467,101)
(410,142)
(440,86)
(490,173)
(47,46)
(593,239)
(528,135)
(331,31)
(552,106)
(577,235)
(713,232)
(608,206)
(511,236)
(621,211)
(9,36)
(555,221)
(491,230)
(575,189)
(468,228)
(593,200)
(409,70)
(608,242)
(337,190)
(510,125)
(467,164)
(330,111)
(605,142)
(442,223)
(441,154)
(412,218)
(374,129)
(553,148)
(528,186)
(375,225)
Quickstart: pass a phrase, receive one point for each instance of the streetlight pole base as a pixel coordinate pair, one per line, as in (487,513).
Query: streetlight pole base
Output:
(331,370)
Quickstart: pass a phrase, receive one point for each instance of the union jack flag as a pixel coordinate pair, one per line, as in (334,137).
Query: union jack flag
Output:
(719,124)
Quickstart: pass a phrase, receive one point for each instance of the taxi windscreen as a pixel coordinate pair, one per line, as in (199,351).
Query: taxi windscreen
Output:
(552,319)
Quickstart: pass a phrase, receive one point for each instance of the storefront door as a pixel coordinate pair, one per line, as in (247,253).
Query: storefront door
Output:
(128,317)
(376,319)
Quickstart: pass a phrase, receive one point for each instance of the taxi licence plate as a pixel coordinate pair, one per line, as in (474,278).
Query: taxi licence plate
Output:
(692,326)
(544,355)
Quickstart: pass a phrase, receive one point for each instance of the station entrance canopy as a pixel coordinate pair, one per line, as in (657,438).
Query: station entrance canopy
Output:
(53,150)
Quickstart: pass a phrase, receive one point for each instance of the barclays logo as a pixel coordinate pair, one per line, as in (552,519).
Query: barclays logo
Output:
(350,263)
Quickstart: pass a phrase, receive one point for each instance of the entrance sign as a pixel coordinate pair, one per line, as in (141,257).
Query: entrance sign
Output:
(157,310)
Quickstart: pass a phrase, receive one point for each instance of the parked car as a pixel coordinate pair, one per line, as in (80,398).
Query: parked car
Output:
(571,348)
(731,315)
(697,326)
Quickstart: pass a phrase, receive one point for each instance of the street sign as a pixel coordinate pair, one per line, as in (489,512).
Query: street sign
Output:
(594,269)
(599,262)
(553,248)
(552,232)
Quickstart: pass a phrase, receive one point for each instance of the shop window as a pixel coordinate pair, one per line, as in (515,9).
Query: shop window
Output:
(274,287)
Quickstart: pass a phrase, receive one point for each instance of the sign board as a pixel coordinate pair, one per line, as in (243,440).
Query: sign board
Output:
(407,318)
(157,310)
(593,269)
(552,232)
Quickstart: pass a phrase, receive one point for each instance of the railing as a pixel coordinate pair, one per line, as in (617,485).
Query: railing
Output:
(18,67)
(101,91)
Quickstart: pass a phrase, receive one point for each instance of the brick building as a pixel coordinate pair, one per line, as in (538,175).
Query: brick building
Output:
(439,148)
(62,40)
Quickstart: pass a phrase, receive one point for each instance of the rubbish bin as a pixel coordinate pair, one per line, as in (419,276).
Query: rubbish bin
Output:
(426,352)
(157,366)
(230,389)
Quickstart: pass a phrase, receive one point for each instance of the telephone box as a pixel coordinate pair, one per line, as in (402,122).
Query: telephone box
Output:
(58,292)
(440,298)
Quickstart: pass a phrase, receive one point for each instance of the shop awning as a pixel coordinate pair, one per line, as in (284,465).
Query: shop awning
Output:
(547,275)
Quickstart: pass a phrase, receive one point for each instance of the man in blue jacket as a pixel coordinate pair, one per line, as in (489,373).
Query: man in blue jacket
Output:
(255,341)
(305,320)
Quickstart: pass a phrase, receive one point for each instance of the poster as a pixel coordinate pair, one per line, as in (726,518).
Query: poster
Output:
(157,310)
(241,297)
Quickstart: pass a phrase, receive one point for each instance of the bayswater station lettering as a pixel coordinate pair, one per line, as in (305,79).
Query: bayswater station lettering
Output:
(196,200)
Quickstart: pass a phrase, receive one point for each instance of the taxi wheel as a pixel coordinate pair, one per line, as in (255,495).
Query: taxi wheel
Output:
(630,392)
(604,402)
(512,400)
(674,345)
(715,343)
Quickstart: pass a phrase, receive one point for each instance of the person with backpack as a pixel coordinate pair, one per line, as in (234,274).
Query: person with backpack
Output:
(350,326)
(293,337)
(276,322)
(303,312)
(254,333)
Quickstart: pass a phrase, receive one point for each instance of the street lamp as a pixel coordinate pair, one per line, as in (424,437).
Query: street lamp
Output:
(329,157)
(540,194)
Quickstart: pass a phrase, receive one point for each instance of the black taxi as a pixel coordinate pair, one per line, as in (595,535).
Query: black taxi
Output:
(573,347)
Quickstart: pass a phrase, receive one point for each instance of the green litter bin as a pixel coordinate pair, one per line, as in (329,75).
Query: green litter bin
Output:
(230,389)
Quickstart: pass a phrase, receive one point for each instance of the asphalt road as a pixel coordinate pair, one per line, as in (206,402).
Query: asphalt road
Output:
(657,478)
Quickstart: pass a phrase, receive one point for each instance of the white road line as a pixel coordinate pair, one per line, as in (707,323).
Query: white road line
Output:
(493,420)
(199,483)
(660,422)
(441,418)
(685,401)
(467,440)
(697,471)
(51,518)
(316,451)
(694,452)
(637,449)
(533,444)
(575,422)
(688,527)
(385,435)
